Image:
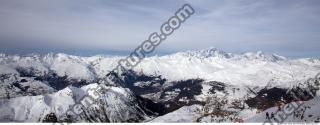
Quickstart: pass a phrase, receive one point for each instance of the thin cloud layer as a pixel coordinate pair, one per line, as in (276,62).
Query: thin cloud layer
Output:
(287,27)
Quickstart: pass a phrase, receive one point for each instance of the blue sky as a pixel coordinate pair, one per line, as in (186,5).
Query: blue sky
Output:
(287,27)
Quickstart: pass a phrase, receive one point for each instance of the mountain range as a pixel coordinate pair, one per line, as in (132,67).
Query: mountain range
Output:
(208,85)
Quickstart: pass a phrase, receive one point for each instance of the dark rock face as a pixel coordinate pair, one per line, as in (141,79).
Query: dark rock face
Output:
(27,72)
(50,118)
(51,78)
(23,80)
(267,98)
(188,88)
(18,85)
(180,94)
(151,84)
(150,107)
(217,86)
(59,83)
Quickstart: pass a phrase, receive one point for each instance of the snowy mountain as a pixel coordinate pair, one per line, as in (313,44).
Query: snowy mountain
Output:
(208,85)
(206,53)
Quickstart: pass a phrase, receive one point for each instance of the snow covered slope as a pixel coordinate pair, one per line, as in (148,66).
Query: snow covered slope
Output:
(252,69)
(308,112)
(118,104)
(33,86)
(185,114)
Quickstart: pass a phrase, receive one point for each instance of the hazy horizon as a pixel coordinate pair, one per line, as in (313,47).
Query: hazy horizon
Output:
(126,53)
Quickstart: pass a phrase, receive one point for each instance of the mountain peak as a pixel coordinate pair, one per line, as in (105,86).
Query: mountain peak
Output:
(215,52)
(259,55)
(206,53)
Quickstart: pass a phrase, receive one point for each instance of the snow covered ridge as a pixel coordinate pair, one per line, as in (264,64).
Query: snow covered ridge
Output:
(214,52)
(209,64)
(117,105)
